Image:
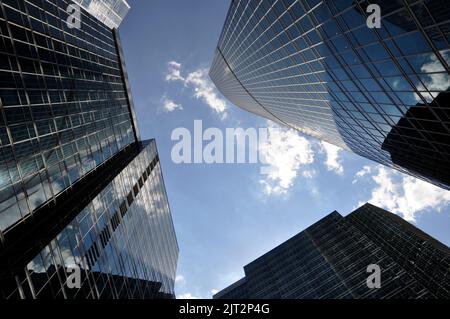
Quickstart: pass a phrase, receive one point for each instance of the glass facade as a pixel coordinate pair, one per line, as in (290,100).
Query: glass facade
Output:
(110,12)
(316,66)
(329,260)
(78,190)
(121,238)
(64,105)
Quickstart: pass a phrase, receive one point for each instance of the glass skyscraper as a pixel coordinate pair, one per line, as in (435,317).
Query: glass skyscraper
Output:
(114,225)
(110,12)
(330,259)
(77,186)
(317,67)
(65,108)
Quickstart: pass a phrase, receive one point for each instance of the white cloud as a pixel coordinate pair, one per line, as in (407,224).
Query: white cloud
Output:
(199,81)
(309,173)
(436,81)
(187,295)
(406,195)
(332,162)
(433,81)
(205,90)
(285,152)
(174,72)
(169,105)
(179,279)
(214,291)
(364,171)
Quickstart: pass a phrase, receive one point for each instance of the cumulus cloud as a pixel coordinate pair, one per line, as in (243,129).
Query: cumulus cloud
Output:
(436,81)
(205,90)
(366,170)
(433,81)
(169,105)
(333,162)
(199,81)
(286,153)
(174,72)
(187,295)
(309,173)
(406,195)
(214,291)
(179,278)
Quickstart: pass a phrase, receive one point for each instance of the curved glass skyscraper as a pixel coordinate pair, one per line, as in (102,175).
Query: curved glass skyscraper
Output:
(317,67)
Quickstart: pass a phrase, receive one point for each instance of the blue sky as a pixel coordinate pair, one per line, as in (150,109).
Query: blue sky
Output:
(226,215)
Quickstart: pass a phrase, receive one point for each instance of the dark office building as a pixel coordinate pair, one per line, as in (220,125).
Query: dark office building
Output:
(317,67)
(402,139)
(330,260)
(78,189)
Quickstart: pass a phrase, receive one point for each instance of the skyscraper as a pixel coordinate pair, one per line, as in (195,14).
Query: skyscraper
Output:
(114,225)
(78,189)
(317,67)
(110,12)
(334,259)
